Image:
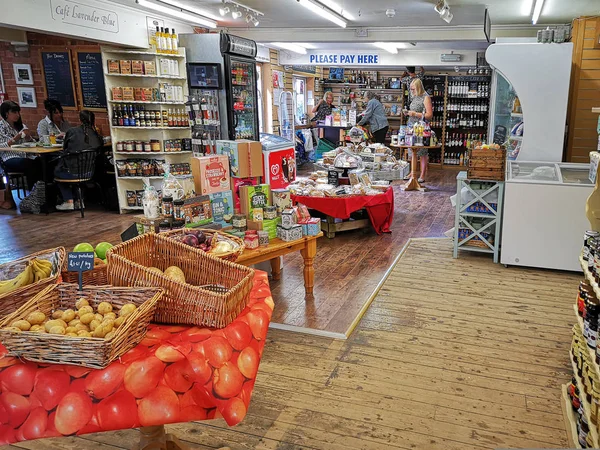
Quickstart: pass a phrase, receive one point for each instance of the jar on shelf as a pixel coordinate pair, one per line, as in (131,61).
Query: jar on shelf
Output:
(129,146)
(119,146)
(239,222)
(147,146)
(167,206)
(165,225)
(178,209)
(178,224)
(139,146)
(155,145)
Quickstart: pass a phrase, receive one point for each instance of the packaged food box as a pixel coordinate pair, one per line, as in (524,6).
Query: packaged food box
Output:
(312,227)
(197,209)
(281,199)
(245,157)
(128,94)
(117,93)
(113,66)
(236,184)
(125,66)
(137,67)
(289,234)
(138,94)
(254,197)
(289,218)
(222,207)
(211,174)
(150,67)
(257,214)
(147,94)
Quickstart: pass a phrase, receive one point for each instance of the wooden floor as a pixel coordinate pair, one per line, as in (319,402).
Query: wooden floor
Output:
(347,268)
(452,355)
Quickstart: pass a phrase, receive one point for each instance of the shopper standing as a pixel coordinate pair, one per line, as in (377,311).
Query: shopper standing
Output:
(420,109)
(374,115)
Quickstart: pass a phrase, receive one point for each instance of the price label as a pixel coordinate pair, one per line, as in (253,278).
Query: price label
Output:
(80,261)
(333,177)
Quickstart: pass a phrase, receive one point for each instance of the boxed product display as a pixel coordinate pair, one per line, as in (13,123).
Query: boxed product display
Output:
(137,67)
(257,214)
(312,227)
(125,66)
(197,210)
(245,157)
(289,218)
(281,199)
(211,174)
(270,226)
(150,67)
(222,207)
(236,184)
(254,197)
(289,234)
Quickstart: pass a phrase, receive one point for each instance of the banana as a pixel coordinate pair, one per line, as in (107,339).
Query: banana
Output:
(44,263)
(23,279)
(40,272)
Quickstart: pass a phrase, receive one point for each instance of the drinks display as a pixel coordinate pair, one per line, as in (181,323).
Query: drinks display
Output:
(242,81)
(130,115)
(469,89)
(166,42)
(466,121)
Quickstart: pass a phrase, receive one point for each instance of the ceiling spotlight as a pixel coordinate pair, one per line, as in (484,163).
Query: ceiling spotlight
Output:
(248,17)
(236,14)
(224,11)
(443,9)
(255,21)
(390,12)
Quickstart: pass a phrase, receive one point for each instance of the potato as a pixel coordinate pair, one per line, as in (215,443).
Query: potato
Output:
(127,309)
(119,321)
(70,330)
(36,318)
(99,332)
(110,335)
(81,303)
(57,330)
(86,318)
(53,323)
(82,327)
(23,325)
(110,315)
(108,323)
(15,329)
(74,322)
(85,310)
(94,324)
(82,333)
(62,323)
(104,308)
(57,314)
(71,334)
(68,315)
(99,317)
(38,328)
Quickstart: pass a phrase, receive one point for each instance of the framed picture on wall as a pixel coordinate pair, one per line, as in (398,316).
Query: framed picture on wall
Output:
(23,73)
(27,97)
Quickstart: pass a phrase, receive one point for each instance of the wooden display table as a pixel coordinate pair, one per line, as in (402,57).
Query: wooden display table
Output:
(413,183)
(276,248)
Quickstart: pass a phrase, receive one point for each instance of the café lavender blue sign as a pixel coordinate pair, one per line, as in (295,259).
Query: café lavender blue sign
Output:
(80,14)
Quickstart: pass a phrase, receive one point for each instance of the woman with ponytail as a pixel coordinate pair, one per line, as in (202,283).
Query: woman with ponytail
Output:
(78,139)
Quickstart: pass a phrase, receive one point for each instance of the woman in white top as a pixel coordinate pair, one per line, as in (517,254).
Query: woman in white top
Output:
(54,122)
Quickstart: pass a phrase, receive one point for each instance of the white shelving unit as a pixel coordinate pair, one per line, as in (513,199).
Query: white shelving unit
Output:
(123,133)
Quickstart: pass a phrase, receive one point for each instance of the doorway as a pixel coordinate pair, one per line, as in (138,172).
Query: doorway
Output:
(300,99)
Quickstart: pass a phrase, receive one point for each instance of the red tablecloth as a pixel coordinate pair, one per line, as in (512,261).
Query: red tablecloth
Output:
(176,374)
(379,207)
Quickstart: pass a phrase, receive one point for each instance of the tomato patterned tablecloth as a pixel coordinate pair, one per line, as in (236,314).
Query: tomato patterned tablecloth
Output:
(176,374)
(379,207)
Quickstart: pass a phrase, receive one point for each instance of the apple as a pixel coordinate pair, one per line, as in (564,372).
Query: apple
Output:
(83,247)
(102,248)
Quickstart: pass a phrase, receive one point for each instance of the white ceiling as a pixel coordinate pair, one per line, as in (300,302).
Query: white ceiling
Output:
(289,13)
(439,45)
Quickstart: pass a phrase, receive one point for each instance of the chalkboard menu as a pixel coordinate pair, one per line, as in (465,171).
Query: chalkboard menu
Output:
(59,77)
(91,79)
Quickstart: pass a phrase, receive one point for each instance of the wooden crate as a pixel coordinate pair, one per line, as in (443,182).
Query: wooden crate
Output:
(487,164)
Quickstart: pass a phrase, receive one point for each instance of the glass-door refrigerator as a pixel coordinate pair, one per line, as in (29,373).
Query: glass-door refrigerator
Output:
(240,82)
(506,126)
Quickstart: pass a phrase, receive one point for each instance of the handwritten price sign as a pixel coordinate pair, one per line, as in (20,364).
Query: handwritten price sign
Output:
(80,262)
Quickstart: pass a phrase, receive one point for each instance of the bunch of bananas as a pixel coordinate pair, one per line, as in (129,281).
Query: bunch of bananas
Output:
(36,270)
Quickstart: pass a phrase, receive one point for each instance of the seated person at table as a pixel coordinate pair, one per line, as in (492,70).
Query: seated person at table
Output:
(53,123)
(83,137)
(12,132)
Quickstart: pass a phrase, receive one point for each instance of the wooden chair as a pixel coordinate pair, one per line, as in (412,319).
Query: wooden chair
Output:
(16,181)
(84,163)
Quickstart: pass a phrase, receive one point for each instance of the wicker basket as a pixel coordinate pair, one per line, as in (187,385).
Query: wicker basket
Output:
(81,351)
(236,242)
(11,301)
(98,276)
(217,292)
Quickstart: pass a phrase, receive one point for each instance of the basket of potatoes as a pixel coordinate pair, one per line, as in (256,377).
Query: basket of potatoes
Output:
(89,328)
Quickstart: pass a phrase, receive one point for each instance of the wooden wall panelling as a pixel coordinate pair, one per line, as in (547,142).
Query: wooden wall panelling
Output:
(585,90)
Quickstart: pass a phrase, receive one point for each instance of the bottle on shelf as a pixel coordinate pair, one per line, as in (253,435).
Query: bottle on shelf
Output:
(158,43)
(163,41)
(114,119)
(174,42)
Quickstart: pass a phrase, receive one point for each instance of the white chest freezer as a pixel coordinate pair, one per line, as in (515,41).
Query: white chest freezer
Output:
(544,214)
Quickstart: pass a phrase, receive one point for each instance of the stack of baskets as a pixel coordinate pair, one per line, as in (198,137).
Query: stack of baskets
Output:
(215,236)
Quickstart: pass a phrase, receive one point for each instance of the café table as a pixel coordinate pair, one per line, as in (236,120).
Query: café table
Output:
(44,153)
(177,373)
(413,181)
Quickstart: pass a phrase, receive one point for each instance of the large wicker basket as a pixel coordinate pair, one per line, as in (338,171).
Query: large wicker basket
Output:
(98,276)
(215,236)
(81,351)
(214,293)
(11,301)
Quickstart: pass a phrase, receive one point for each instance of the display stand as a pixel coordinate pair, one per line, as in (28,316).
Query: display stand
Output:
(477,241)
(413,183)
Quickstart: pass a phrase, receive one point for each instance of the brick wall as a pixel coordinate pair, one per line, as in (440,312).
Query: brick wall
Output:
(31,116)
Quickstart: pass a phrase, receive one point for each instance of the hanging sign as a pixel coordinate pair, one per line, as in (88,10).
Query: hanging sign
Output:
(354,59)
(88,16)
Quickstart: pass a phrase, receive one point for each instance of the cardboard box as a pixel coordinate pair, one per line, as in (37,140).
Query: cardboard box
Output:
(117,93)
(281,199)
(197,209)
(245,157)
(236,184)
(289,219)
(125,66)
(150,67)
(222,207)
(255,224)
(254,197)
(138,94)
(113,66)
(312,227)
(211,174)
(128,94)
(137,67)
(257,214)
(291,234)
